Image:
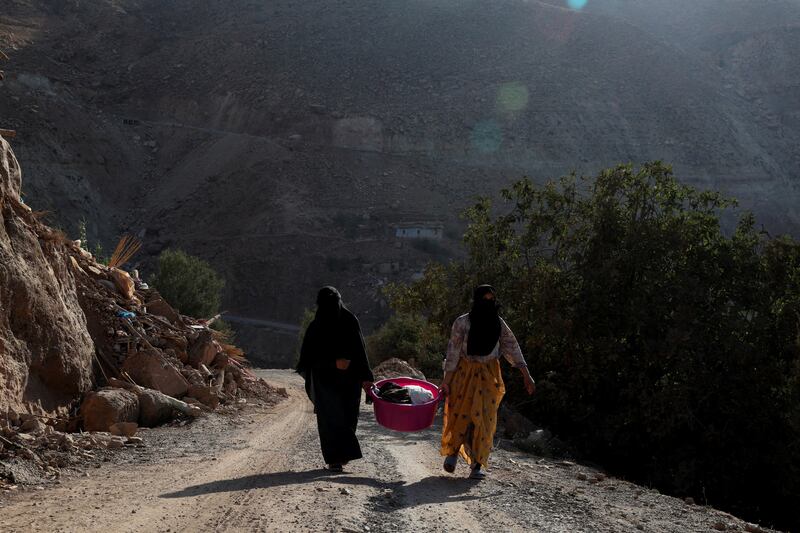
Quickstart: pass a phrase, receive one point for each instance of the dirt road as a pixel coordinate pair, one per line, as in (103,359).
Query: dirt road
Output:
(267,476)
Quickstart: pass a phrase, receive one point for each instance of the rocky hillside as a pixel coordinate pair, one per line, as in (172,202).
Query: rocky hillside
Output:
(46,348)
(284,141)
(69,324)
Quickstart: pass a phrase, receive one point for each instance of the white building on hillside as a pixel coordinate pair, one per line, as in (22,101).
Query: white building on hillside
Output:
(419,230)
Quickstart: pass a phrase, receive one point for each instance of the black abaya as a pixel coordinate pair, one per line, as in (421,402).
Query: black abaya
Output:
(336,394)
(336,404)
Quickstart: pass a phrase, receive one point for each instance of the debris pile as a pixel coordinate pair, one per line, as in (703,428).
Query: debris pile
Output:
(89,347)
(143,342)
(396,368)
(32,448)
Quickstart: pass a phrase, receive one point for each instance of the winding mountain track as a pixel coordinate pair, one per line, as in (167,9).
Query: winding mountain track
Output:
(267,476)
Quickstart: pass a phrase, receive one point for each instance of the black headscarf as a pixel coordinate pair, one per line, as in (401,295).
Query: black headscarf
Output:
(329,308)
(484,320)
(334,333)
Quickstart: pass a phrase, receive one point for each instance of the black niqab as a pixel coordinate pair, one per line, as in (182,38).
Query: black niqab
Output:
(334,334)
(329,309)
(484,322)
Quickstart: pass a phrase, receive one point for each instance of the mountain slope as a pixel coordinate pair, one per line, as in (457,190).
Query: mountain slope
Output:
(283,141)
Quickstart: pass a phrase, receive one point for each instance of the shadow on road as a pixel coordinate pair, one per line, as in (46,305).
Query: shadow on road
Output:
(397,495)
(275,479)
(426,491)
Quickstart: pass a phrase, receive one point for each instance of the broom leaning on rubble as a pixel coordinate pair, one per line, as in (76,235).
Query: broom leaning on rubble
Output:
(126,248)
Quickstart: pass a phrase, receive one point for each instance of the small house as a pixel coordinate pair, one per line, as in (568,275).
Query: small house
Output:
(419,231)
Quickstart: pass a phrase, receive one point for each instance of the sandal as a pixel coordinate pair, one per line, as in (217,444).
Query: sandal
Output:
(477,472)
(450,463)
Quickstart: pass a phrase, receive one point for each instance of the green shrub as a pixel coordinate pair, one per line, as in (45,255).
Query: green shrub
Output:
(409,337)
(663,347)
(308,317)
(226,329)
(188,283)
(97,250)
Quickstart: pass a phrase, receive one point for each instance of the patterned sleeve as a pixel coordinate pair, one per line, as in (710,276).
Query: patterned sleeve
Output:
(454,346)
(509,347)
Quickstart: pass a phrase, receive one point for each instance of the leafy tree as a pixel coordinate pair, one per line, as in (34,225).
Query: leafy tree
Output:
(188,283)
(663,346)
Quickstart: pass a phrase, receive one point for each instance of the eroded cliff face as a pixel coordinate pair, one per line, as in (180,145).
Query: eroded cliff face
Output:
(46,352)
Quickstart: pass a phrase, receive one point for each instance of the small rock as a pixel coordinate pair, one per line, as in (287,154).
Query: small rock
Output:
(345,490)
(32,425)
(115,444)
(689,500)
(720,526)
(124,429)
(582,476)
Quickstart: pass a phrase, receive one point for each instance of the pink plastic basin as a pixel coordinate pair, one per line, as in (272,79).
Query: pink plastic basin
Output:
(401,416)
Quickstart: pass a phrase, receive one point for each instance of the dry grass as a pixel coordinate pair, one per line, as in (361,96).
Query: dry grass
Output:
(234,352)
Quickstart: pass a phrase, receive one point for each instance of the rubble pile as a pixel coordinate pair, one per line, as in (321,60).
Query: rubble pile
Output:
(141,341)
(33,448)
(85,347)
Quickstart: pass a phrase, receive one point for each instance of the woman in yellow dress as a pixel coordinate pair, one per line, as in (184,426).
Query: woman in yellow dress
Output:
(473,384)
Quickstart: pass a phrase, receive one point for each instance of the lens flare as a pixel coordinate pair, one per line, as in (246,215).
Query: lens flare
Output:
(577,4)
(486,136)
(512,98)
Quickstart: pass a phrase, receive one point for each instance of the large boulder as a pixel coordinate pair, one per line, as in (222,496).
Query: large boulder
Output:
(46,352)
(104,408)
(159,306)
(204,394)
(154,409)
(123,282)
(204,349)
(149,369)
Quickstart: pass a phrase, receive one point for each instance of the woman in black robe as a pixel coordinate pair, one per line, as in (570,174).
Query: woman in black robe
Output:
(333,362)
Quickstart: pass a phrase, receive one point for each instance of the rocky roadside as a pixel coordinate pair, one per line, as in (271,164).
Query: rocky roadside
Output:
(52,458)
(90,354)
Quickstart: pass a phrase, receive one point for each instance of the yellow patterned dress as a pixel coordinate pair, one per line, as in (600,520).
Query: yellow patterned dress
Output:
(476,388)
